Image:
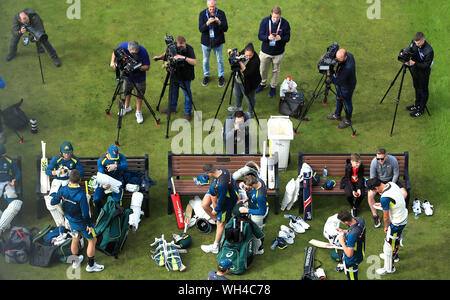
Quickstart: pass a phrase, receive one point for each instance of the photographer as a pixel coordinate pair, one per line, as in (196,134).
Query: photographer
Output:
(420,67)
(345,80)
(28,20)
(212,23)
(235,133)
(252,78)
(137,77)
(184,61)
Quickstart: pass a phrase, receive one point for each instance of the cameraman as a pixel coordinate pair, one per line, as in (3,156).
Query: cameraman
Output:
(345,80)
(138,77)
(236,133)
(183,75)
(252,78)
(420,68)
(29,18)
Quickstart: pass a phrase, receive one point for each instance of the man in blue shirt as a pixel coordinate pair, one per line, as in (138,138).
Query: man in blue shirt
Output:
(74,203)
(274,32)
(9,175)
(113,164)
(353,242)
(223,195)
(212,23)
(135,80)
(345,80)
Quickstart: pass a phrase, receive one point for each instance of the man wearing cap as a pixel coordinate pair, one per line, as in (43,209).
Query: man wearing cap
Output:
(9,175)
(60,167)
(113,164)
(222,269)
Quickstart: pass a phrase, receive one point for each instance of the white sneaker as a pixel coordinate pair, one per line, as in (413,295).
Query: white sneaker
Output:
(125,110)
(210,248)
(416,207)
(259,252)
(77,262)
(95,268)
(289,231)
(303,223)
(427,207)
(382,271)
(139,117)
(296,226)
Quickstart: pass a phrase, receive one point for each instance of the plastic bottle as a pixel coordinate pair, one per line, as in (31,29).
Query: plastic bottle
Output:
(325,173)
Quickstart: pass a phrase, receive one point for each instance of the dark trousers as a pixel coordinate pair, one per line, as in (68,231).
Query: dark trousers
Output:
(16,38)
(420,82)
(349,188)
(344,97)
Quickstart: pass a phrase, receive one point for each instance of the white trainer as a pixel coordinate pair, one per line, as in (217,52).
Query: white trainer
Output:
(382,271)
(416,207)
(95,268)
(124,111)
(77,262)
(296,226)
(427,207)
(210,248)
(139,117)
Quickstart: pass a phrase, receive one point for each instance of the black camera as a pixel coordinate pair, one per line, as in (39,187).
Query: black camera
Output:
(127,63)
(406,54)
(38,36)
(172,51)
(234,59)
(328,60)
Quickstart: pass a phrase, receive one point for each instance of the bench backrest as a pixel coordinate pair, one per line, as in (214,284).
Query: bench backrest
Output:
(336,162)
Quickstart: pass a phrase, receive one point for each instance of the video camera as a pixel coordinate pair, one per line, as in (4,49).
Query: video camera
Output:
(234,59)
(328,60)
(128,63)
(406,54)
(38,36)
(172,51)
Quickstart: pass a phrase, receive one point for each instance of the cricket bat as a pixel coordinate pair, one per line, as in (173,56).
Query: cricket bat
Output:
(263,165)
(176,202)
(45,179)
(321,244)
(271,169)
(187,217)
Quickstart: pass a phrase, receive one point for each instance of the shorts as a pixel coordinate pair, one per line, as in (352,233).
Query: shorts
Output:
(223,216)
(78,228)
(128,88)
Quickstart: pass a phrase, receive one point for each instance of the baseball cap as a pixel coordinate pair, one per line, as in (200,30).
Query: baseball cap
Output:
(113,151)
(225,264)
(203,179)
(66,147)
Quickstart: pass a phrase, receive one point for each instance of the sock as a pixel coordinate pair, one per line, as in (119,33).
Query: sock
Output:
(91,261)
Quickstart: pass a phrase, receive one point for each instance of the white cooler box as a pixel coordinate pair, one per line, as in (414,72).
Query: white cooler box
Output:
(280,133)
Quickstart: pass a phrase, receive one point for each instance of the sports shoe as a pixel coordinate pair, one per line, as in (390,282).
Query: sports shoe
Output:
(376,221)
(188,117)
(382,271)
(272,92)
(296,226)
(56,61)
(354,212)
(210,248)
(10,57)
(95,268)
(344,124)
(205,81)
(124,111)
(333,117)
(299,220)
(260,88)
(287,234)
(416,207)
(416,113)
(259,251)
(250,114)
(77,262)
(235,108)
(427,207)
(411,107)
(139,117)
(166,111)
(221,81)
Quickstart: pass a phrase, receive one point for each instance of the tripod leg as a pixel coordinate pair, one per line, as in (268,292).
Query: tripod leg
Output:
(140,95)
(250,102)
(230,80)
(392,83)
(119,122)
(163,90)
(40,64)
(397,101)
(169,109)
(116,93)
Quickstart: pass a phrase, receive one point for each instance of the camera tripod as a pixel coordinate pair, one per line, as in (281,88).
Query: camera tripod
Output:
(325,80)
(169,82)
(397,101)
(117,92)
(234,72)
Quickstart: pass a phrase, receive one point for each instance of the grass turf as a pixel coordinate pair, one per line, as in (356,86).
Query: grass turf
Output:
(70,106)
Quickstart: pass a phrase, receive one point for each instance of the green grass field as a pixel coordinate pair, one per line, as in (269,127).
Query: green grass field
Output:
(71,106)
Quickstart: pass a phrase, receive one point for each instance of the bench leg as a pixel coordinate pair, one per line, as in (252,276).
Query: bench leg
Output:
(147,205)
(169,204)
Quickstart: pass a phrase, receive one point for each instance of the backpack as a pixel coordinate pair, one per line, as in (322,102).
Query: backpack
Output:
(16,248)
(237,243)
(15,118)
(291,104)
(112,228)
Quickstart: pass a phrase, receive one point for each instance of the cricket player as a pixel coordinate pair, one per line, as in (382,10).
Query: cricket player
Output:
(60,168)
(9,174)
(223,194)
(113,164)
(395,216)
(353,242)
(72,199)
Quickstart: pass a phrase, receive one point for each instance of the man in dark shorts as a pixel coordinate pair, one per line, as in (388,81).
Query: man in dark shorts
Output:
(223,195)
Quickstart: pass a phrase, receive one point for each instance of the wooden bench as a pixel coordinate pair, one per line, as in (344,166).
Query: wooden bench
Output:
(136,163)
(336,170)
(183,167)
